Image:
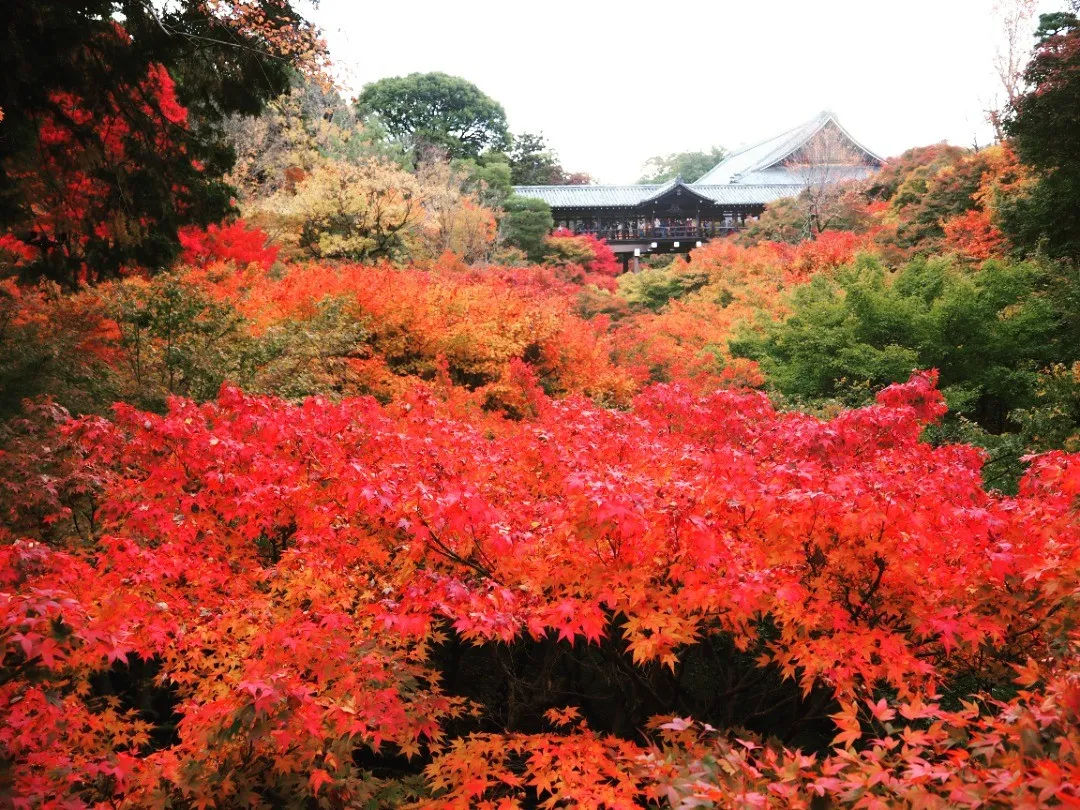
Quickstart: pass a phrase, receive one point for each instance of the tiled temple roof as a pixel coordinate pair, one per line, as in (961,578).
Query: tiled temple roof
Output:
(632,196)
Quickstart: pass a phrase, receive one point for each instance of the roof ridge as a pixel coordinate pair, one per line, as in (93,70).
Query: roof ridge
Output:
(756,144)
(741,185)
(672,184)
(591,185)
(782,138)
(800,136)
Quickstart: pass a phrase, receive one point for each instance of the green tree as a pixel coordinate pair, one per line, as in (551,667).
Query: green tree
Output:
(690,165)
(995,334)
(92,135)
(489,177)
(654,287)
(175,340)
(988,331)
(526,224)
(424,110)
(533,163)
(1045,129)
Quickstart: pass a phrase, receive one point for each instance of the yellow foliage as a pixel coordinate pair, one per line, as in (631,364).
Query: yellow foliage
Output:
(370,210)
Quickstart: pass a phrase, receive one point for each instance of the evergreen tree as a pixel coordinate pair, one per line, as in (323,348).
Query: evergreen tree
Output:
(688,165)
(526,224)
(434,110)
(1045,129)
(532,163)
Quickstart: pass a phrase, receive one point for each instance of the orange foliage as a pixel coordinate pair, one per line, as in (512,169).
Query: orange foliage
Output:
(229,242)
(583,258)
(780,262)
(973,235)
(291,569)
(61,323)
(688,339)
(476,320)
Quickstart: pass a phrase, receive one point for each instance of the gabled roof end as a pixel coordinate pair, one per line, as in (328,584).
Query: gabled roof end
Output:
(771,151)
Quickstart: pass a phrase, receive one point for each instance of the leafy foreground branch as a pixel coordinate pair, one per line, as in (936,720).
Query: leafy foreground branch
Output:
(253,603)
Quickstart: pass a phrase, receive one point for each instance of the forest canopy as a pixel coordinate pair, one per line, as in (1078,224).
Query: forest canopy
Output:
(333,475)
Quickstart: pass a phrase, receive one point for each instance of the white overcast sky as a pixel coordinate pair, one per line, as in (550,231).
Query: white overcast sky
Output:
(612,83)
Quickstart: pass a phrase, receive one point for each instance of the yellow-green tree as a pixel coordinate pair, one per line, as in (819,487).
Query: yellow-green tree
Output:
(366,211)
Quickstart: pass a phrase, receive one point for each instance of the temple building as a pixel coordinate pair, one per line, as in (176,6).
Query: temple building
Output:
(676,216)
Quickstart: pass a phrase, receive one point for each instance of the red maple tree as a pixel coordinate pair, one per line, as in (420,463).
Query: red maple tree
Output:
(253,601)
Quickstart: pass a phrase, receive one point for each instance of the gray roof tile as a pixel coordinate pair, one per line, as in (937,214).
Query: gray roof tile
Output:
(588,196)
(630,196)
(732,194)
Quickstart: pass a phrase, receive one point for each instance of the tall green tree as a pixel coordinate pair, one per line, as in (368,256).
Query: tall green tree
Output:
(424,110)
(112,138)
(533,163)
(526,224)
(690,165)
(1045,129)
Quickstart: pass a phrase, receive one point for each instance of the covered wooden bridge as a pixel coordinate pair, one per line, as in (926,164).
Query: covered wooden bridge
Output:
(677,216)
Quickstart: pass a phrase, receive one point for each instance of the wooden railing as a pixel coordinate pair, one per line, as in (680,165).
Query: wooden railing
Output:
(659,232)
